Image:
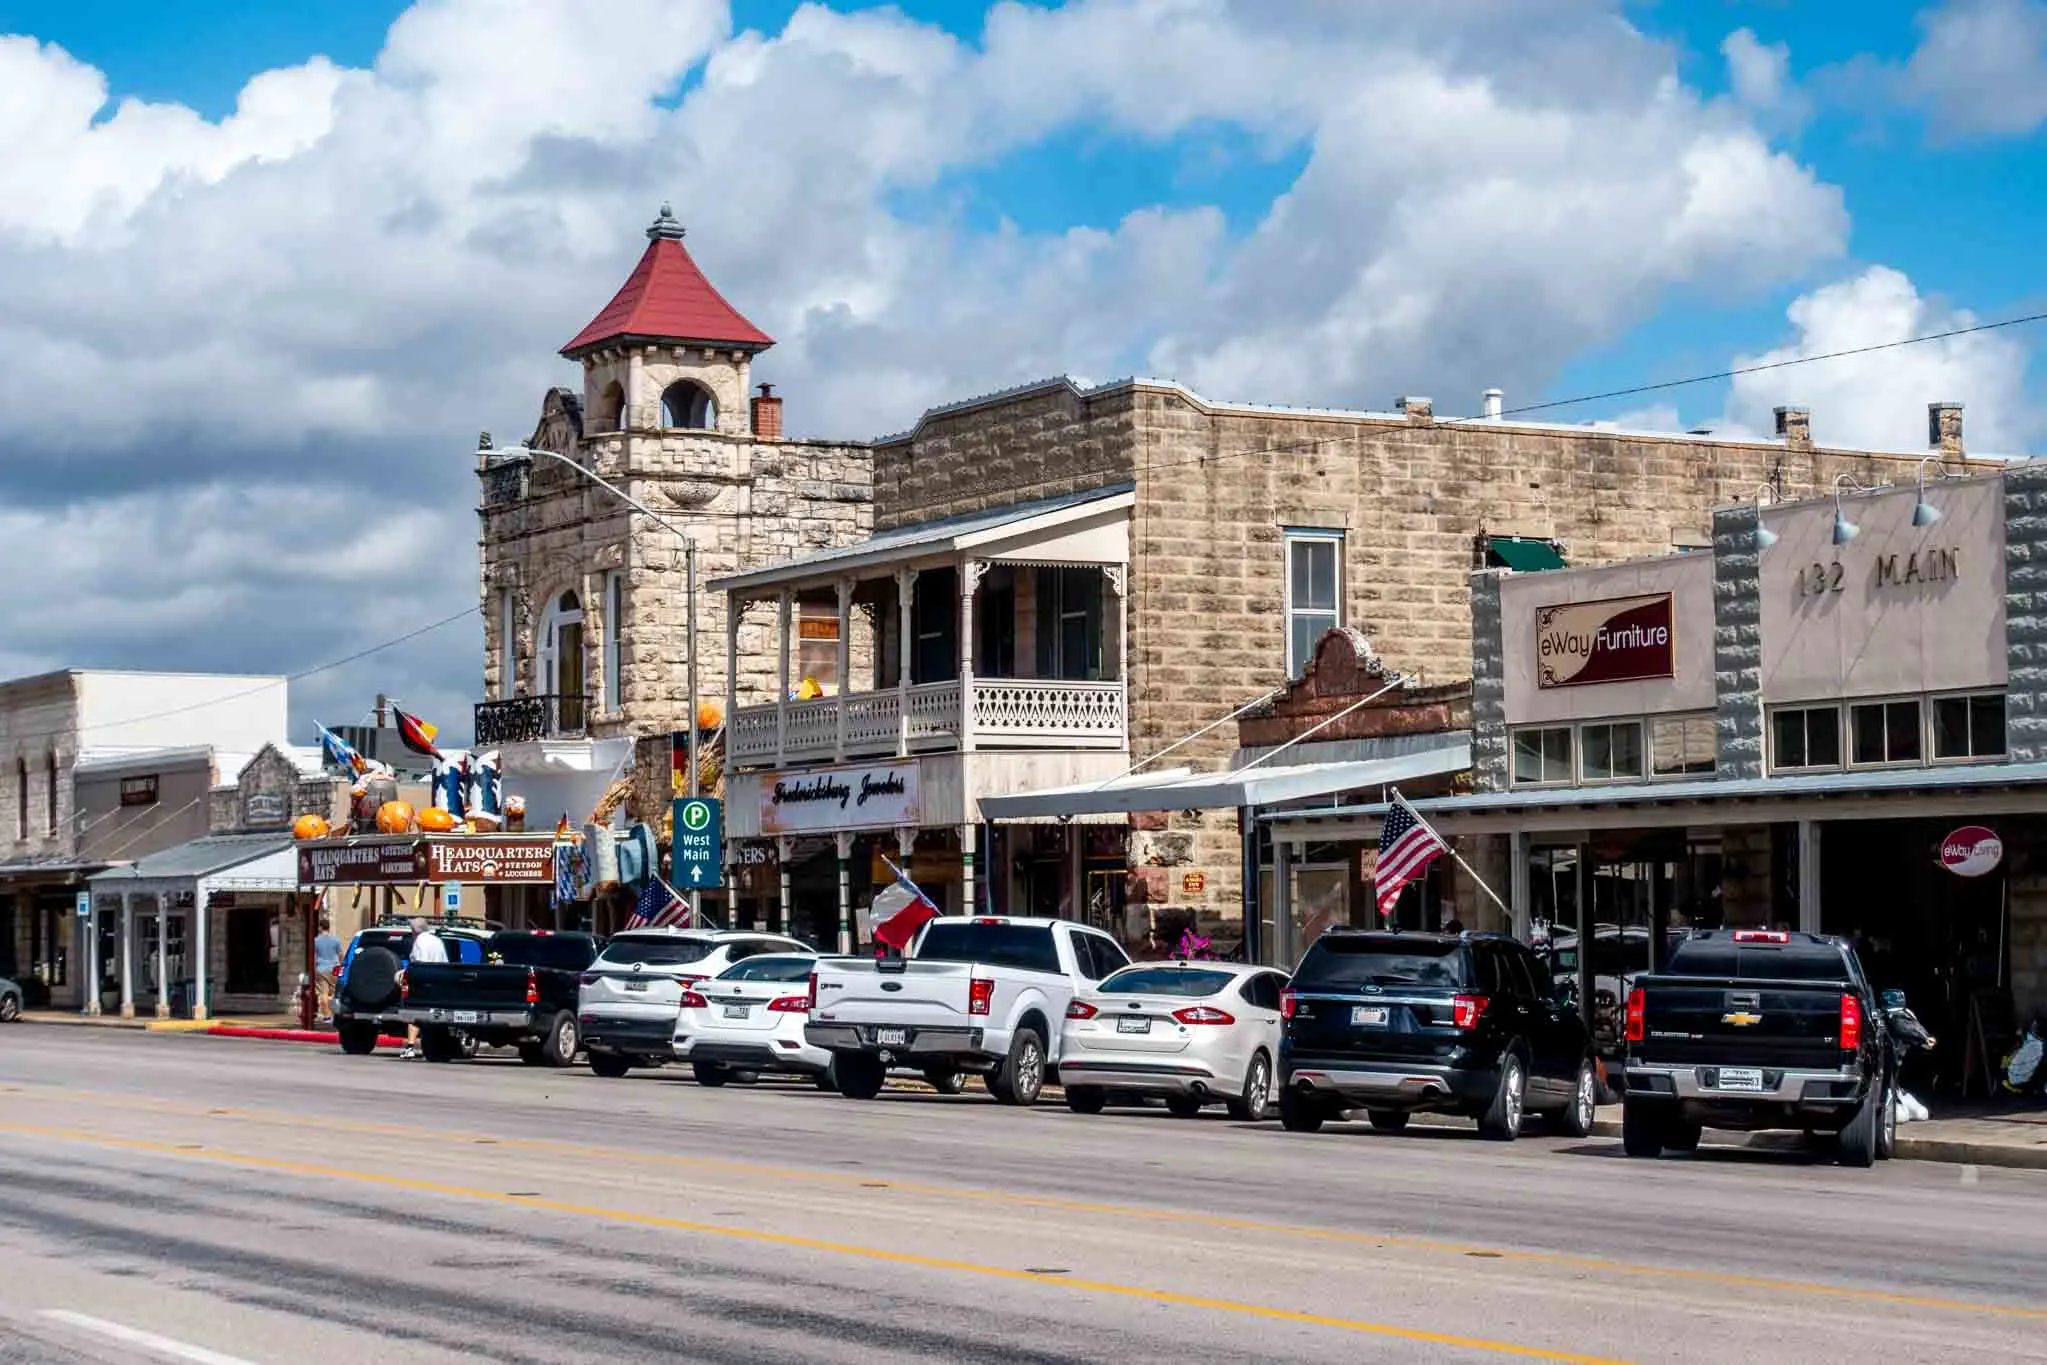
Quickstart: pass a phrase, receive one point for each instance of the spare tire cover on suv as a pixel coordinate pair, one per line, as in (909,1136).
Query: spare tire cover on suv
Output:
(372,980)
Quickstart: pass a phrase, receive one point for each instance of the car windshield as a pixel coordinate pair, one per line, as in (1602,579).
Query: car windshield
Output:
(561,952)
(1191,982)
(1341,962)
(1028,946)
(655,952)
(770,969)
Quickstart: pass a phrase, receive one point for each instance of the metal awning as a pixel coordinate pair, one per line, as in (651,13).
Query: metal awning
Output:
(1267,785)
(1525,554)
(240,862)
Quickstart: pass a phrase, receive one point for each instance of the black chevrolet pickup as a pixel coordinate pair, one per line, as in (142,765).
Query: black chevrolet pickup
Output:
(523,994)
(1751,1029)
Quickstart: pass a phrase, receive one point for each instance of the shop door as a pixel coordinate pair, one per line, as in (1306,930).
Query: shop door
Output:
(10,966)
(251,952)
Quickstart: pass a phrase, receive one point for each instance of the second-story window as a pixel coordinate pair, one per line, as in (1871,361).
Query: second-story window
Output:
(1314,593)
(21,798)
(935,626)
(508,644)
(1884,732)
(1968,727)
(1069,636)
(50,788)
(1805,737)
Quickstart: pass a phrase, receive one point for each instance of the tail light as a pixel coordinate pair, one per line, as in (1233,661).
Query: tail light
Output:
(1081,1009)
(810,1001)
(532,987)
(790,1004)
(587,979)
(1288,1003)
(1635,1012)
(692,1001)
(1466,1010)
(980,995)
(1761,936)
(1204,1014)
(1851,1024)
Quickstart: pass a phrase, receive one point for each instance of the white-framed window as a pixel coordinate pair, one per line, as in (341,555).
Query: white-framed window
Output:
(1542,756)
(508,643)
(1683,746)
(1968,727)
(614,624)
(1314,593)
(1805,737)
(1610,750)
(1881,733)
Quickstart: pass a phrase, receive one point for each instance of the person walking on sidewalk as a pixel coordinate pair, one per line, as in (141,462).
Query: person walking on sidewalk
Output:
(326,962)
(426,947)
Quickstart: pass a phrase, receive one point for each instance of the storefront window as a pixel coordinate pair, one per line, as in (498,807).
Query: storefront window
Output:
(1611,751)
(1682,745)
(1968,727)
(1542,756)
(1884,732)
(1805,737)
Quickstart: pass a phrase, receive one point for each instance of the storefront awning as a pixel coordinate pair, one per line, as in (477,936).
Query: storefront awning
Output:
(1266,785)
(1523,554)
(241,862)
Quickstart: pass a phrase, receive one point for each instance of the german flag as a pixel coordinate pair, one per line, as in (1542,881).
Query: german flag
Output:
(416,734)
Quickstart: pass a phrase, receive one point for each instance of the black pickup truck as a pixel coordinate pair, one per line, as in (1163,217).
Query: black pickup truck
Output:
(522,995)
(1752,1029)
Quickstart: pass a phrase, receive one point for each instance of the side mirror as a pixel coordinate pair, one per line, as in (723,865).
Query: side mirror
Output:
(1894,1000)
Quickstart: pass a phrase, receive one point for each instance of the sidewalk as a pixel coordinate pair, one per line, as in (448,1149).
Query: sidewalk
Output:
(2014,1138)
(283,1028)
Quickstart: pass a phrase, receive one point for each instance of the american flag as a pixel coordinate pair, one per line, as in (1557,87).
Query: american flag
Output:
(659,908)
(1406,848)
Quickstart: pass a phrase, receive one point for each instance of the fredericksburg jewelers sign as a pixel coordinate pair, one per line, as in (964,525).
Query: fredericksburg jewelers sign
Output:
(1623,639)
(818,802)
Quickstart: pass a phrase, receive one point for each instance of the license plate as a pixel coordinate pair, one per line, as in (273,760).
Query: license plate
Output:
(891,1037)
(738,1011)
(1133,1026)
(1740,1078)
(636,986)
(1373,1016)
(467,1017)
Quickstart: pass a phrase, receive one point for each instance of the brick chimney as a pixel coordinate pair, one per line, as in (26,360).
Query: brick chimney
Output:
(1420,411)
(1944,429)
(1795,426)
(767,415)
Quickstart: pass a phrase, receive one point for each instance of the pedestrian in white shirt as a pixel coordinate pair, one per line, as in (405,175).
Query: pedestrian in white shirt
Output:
(426,947)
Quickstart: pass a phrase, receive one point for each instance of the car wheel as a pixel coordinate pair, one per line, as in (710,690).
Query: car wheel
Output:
(860,1076)
(564,1040)
(610,1065)
(1022,1073)
(438,1045)
(1859,1138)
(1086,1099)
(1184,1106)
(1680,1136)
(533,1054)
(1576,1118)
(1501,1121)
(10,1008)
(945,1080)
(1388,1120)
(712,1074)
(1299,1112)
(1642,1129)
(358,1040)
(823,1081)
(1887,1126)
(1251,1104)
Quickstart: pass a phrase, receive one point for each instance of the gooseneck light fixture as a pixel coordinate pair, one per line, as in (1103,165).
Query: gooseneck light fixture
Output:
(1844,529)
(1766,494)
(1924,513)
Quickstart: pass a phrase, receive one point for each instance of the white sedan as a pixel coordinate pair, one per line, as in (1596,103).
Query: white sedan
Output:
(1197,1033)
(749,1019)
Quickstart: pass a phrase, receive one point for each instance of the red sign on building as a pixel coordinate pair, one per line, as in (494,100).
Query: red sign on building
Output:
(1622,639)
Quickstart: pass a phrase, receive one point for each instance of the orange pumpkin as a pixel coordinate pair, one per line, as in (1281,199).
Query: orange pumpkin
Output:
(396,817)
(436,820)
(311,826)
(709,715)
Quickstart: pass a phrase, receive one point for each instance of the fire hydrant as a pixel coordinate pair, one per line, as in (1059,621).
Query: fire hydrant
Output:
(306,1001)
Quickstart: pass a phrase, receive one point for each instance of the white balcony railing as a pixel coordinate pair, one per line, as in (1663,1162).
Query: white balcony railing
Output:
(998,713)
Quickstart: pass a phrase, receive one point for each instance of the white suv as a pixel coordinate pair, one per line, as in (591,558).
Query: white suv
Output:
(629,998)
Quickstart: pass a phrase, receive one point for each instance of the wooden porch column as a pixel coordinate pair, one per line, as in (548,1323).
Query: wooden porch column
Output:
(906,590)
(783,605)
(127,956)
(784,849)
(1517,883)
(970,583)
(735,611)
(1809,876)
(163,957)
(845,661)
(843,846)
(202,911)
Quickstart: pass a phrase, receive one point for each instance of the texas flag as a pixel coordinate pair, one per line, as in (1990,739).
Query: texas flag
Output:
(908,909)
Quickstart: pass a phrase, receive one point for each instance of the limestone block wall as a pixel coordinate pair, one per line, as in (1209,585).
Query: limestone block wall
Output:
(1489,758)
(1738,643)
(2025,612)
(38,721)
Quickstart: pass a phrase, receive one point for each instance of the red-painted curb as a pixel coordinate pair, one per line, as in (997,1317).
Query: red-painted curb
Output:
(288,1035)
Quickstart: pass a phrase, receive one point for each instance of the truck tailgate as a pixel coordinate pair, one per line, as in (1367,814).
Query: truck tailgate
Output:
(1749,1022)
(455,986)
(922,993)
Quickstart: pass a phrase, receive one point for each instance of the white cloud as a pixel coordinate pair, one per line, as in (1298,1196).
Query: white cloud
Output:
(1759,72)
(1981,67)
(1878,400)
(317,301)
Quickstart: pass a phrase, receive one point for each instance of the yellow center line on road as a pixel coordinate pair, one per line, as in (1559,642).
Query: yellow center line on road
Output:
(781,1239)
(1591,1264)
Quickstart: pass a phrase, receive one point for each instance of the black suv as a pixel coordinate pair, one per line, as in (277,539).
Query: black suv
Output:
(1398,1024)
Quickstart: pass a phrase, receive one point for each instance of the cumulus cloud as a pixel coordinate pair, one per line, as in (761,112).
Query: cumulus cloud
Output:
(1980,68)
(259,347)
(1759,72)
(1878,400)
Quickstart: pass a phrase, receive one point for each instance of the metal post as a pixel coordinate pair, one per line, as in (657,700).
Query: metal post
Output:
(1247,830)
(1517,884)
(127,956)
(783,850)
(967,833)
(202,911)
(844,846)
(163,957)
(1809,876)
(782,607)
(845,662)
(89,987)
(1584,939)
(906,596)
(689,566)
(1282,902)
(969,579)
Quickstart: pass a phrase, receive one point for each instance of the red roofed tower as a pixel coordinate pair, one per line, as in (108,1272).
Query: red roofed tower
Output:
(668,352)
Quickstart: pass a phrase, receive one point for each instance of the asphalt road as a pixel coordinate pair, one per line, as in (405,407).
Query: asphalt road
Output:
(167,1198)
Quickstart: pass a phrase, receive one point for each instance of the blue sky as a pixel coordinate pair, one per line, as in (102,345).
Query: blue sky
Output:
(310,306)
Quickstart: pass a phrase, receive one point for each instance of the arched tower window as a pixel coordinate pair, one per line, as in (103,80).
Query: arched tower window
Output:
(611,407)
(50,787)
(558,659)
(688,405)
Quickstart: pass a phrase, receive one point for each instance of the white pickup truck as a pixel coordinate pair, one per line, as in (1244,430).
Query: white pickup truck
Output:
(981,994)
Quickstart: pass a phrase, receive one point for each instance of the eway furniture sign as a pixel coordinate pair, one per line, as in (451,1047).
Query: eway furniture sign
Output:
(1623,639)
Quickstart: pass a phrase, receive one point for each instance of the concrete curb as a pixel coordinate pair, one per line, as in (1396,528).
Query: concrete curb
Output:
(1947,1151)
(288,1035)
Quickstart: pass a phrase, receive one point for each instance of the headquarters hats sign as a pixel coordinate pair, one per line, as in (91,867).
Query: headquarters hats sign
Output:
(1622,639)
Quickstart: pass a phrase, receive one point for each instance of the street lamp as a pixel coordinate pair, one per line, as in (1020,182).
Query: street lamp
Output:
(689,559)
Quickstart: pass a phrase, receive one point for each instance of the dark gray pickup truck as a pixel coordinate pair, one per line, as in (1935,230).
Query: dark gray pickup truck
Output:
(522,995)
(1751,1029)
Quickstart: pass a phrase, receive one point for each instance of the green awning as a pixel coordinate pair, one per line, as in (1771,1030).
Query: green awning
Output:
(1523,554)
